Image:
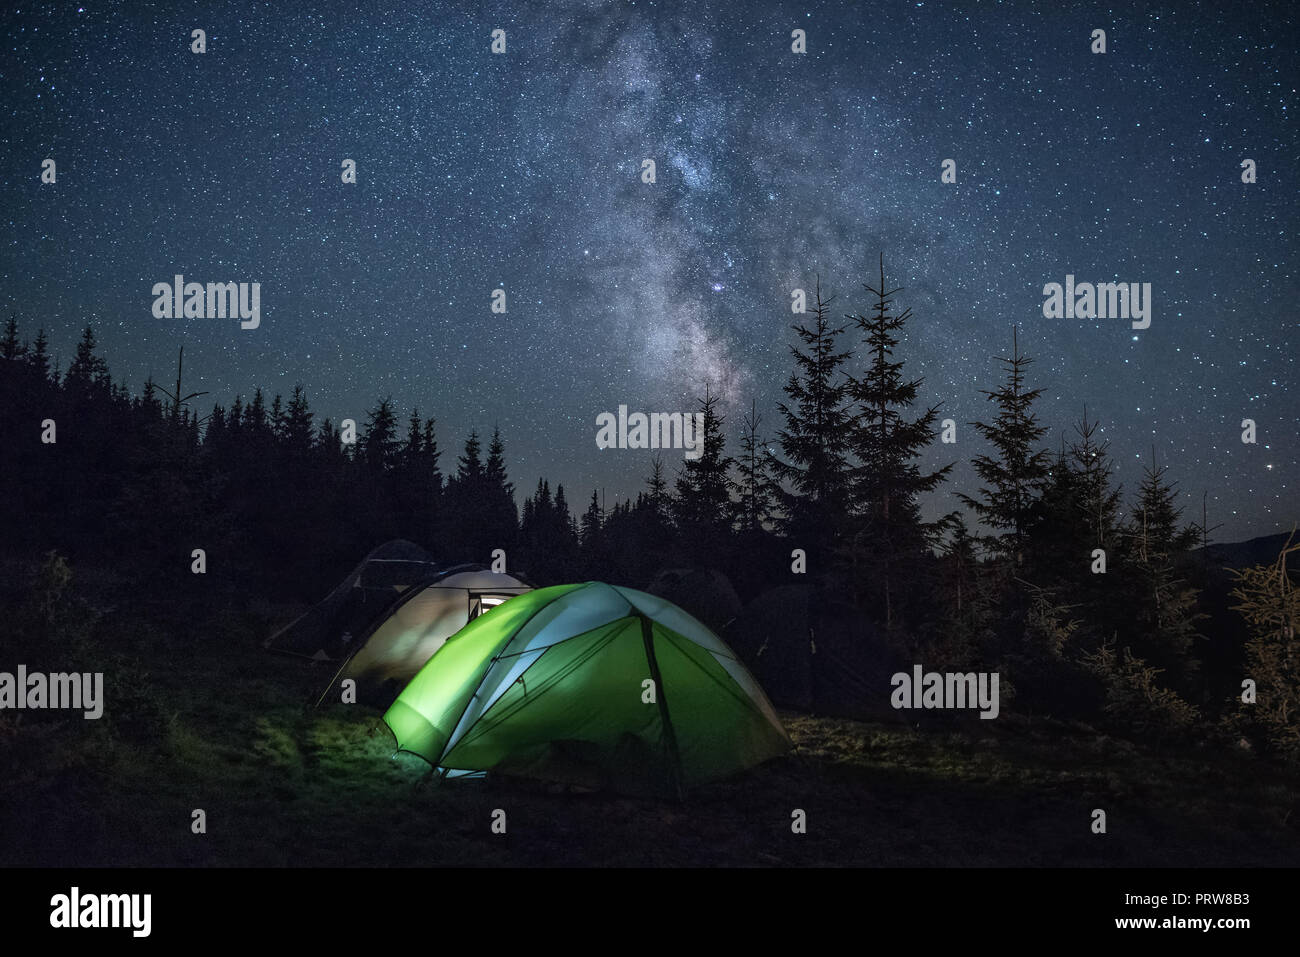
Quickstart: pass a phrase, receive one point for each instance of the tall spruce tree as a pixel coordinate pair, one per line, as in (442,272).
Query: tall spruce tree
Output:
(657,494)
(469,466)
(1078,515)
(431,513)
(87,375)
(1057,542)
(1161,618)
(1099,499)
(500,518)
(562,539)
(494,471)
(654,520)
(1267,598)
(410,482)
(255,422)
(298,423)
(889,539)
(277,417)
(754,486)
(413,448)
(701,502)
(962,626)
(39,357)
(468,502)
(532,528)
(378,446)
(429,445)
(590,525)
(1014,477)
(10,348)
(814,442)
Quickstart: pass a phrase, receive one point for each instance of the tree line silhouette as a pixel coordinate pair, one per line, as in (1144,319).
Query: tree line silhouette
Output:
(282,506)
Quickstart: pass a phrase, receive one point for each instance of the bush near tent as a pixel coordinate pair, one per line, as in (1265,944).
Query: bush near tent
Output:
(326,631)
(555,685)
(816,654)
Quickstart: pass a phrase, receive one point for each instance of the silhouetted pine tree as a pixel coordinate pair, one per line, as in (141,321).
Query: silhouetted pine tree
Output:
(889,542)
(1098,498)
(39,358)
(469,465)
(621,557)
(297,424)
(1135,702)
(701,503)
(589,529)
(235,419)
(814,442)
(11,349)
(466,500)
(562,538)
(277,418)
(411,482)
(500,518)
(255,422)
(87,376)
(961,632)
(329,447)
(1015,476)
(1079,513)
(88,466)
(163,503)
(534,526)
(375,478)
(754,486)
(431,453)
(657,494)
(377,445)
(1057,541)
(215,431)
(651,520)
(33,483)
(413,447)
(1160,613)
(1270,603)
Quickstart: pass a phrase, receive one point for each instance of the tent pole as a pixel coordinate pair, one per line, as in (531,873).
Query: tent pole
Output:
(670,736)
(346,662)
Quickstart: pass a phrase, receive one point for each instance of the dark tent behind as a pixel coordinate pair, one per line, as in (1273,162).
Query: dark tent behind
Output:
(815,654)
(326,631)
(705,593)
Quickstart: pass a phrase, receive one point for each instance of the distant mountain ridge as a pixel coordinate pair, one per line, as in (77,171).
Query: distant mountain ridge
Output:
(1262,550)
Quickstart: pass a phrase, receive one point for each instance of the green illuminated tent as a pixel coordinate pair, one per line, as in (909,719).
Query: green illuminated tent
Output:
(588,684)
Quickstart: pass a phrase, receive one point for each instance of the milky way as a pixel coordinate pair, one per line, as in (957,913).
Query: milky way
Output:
(522,171)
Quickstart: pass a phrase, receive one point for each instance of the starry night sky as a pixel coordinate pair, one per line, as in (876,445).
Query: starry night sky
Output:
(522,171)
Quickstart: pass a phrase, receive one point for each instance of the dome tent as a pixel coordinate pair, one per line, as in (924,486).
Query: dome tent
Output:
(417,623)
(556,685)
(705,593)
(326,630)
(815,652)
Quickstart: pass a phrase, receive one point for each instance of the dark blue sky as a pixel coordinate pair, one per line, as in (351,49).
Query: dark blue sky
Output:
(521,171)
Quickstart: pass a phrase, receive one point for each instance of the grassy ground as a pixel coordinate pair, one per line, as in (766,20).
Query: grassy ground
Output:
(227,727)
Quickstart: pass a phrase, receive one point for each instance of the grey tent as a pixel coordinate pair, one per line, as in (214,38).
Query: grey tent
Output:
(416,625)
(327,631)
